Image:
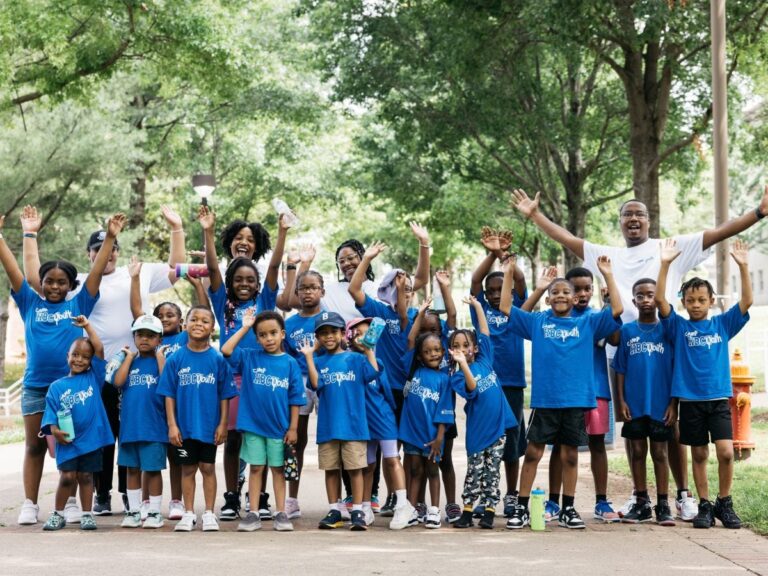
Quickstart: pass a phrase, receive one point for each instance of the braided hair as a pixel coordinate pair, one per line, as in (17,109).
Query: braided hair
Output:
(232,301)
(67,267)
(260,236)
(416,363)
(359,249)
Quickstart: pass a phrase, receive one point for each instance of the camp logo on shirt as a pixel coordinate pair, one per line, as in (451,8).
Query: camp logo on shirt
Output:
(497,319)
(42,315)
(552,332)
(336,377)
(637,347)
(414,387)
(299,335)
(172,348)
(137,379)
(393,325)
(68,399)
(261,378)
(693,339)
(187,378)
(484,383)
(240,312)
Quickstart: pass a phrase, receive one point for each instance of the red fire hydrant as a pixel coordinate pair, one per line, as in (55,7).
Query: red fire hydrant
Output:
(741,407)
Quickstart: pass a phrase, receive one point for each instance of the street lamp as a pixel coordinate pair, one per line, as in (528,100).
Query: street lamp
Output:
(204,185)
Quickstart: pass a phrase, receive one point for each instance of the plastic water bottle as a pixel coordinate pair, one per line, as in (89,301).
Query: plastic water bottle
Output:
(374,333)
(438,304)
(191,271)
(537,510)
(113,365)
(282,209)
(65,423)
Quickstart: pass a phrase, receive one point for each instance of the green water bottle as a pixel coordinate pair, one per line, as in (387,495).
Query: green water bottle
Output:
(537,510)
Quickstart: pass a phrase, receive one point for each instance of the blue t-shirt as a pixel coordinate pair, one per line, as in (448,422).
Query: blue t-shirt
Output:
(563,355)
(702,368)
(265,300)
(427,402)
(379,407)
(393,341)
(49,332)
(644,356)
(508,360)
(488,412)
(271,384)
(600,361)
(142,410)
(342,379)
(175,342)
(299,329)
(81,394)
(198,381)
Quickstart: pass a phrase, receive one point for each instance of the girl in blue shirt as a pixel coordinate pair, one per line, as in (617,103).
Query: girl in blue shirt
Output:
(80,394)
(48,333)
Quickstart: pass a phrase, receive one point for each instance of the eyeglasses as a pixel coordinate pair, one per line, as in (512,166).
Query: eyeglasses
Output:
(309,288)
(639,214)
(348,260)
(409,289)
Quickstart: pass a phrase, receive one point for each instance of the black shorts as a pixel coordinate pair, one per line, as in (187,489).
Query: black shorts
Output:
(515,445)
(646,427)
(564,426)
(702,420)
(193,452)
(88,462)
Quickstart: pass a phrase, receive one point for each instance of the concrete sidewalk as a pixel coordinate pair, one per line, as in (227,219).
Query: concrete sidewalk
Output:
(600,549)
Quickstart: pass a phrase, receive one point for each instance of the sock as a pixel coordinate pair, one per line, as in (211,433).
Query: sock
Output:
(682,493)
(661,498)
(336,506)
(568,501)
(208,512)
(523,501)
(642,495)
(358,507)
(366,506)
(600,498)
(289,499)
(554,497)
(401,497)
(134,500)
(155,503)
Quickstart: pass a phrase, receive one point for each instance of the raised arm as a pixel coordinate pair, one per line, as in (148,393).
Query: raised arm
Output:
(740,254)
(482,321)
(469,380)
(31,222)
(8,260)
(490,240)
(98,347)
(604,265)
(114,226)
(201,297)
(207,220)
(307,256)
(308,349)
(505,304)
(249,319)
(121,374)
(413,333)
(530,209)
(421,278)
(284,299)
(542,284)
(273,270)
(356,283)
(134,271)
(444,281)
(669,252)
(736,225)
(178,250)
(401,308)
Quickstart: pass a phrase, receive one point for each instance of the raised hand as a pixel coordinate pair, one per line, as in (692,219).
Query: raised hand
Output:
(374,250)
(31,221)
(471,301)
(458,356)
(490,239)
(249,318)
(509,262)
(134,268)
(443,278)
(285,222)
(420,232)
(524,204)
(307,253)
(505,239)
(80,321)
(115,224)
(669,250)
(308,347)
(425,306)
(293,257)
(546,278)
(206,217)
(171,217)
(604,265)
(740,252)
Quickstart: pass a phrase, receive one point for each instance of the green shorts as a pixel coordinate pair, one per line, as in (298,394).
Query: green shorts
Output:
(258,450)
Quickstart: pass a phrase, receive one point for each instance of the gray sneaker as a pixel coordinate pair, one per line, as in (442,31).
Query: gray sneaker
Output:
(88,522)
(250,523)
(281,523)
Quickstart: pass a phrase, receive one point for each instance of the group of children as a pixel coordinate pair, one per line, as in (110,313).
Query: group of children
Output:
(382,380)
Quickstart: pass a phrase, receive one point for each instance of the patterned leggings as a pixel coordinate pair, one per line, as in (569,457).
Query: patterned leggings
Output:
(482,480)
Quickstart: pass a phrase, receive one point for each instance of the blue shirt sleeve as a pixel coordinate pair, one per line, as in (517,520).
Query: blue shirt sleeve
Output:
(167,385)
(733,320)
(267,299)
(235,360)
(227,388)
(521,323)
(603,323)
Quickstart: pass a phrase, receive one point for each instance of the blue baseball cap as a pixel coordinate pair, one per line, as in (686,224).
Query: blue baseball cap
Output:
(329,319)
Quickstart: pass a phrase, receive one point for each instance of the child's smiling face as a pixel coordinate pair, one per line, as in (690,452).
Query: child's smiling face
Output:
(200,324)
(561,297)
(170,319)
(431,352)
(330,337)
(55,285)
(79,356)
(463,343)
(245,283)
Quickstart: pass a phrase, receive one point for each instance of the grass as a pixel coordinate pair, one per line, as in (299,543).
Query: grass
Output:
(750,477)
(13,371)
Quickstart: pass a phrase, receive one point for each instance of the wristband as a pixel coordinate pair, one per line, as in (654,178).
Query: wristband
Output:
(291,267)
(759,214)
(30,234)
(179,231)
(425,245)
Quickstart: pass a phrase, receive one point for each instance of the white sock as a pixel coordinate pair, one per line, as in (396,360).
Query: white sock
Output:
(134,500)
(209,512)
(289,499)
(155,502)
(357,507)
(401,497)
(335,506)
(366,506)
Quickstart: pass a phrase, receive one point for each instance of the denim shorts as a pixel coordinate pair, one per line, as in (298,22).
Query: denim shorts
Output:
(424,452)
(33,400)
(146,456)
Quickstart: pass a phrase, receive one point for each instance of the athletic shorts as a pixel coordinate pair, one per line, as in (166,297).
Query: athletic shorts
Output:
(88,462)
(146,456)
(388,449)
(33,400)
(703,420)
(234,403)
(515,445)
(557,426)
(597,420)
(194,452)
(353,454)
(646,427)
(260,451)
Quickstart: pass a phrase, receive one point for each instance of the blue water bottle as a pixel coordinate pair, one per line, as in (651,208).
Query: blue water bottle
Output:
(65,423)
(374,333)
(113,365)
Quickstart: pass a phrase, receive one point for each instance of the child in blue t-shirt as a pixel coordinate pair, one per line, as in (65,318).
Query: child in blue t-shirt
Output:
(559,392)
(488,418)
(340,377)
(143,424)
(48,334)
(643,365)
(270,396)
(78,396)
(701,377)
(197,385)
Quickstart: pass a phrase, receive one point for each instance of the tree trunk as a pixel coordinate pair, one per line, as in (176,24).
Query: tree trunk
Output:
(139,204)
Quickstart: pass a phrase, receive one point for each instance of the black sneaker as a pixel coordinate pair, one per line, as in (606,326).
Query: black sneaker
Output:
(103,505)
(465,520)
(389,506)
(639,512)
(519,517)
(358,521)
(487,519)
(264,512)
(231,508)
(332,520)
(724,512)
(664,514)
(706,516)
(569,518)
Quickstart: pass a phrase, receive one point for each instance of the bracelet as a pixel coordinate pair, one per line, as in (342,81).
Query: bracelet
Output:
(291,267)
(179,231)
(759,214)
(425,245)
(30,234)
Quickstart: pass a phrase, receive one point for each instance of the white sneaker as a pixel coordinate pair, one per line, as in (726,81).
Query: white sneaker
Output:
(175,510)
(144,510)
(687,508)
(154,520)
(433,517)
(401,517)
(187,522)
(369,517)
(72,512)
(210,523)
(292,509)
(624,510)
(28,514)
(131,520)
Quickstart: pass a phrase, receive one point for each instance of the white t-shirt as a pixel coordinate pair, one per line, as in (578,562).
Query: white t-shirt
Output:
(643,261)
(111,317)
(337,299)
